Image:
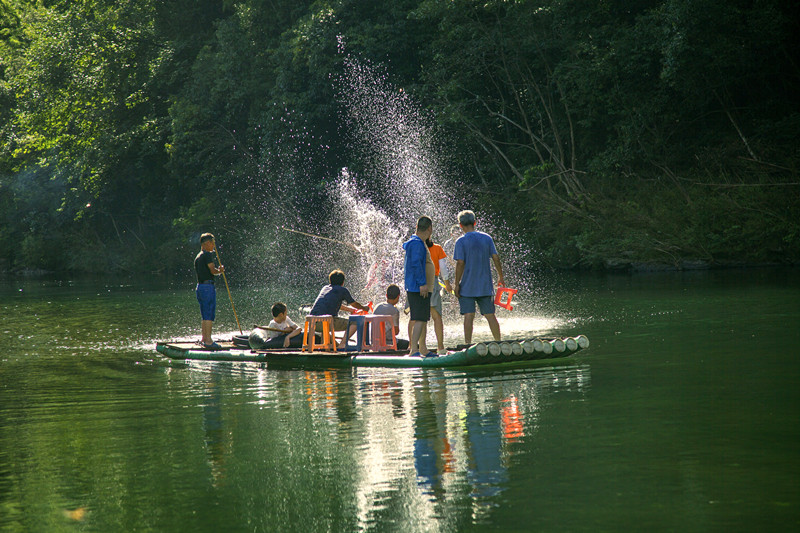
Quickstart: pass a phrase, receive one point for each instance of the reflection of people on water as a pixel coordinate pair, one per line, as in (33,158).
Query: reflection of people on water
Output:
(433,455)
(513,430)
(487,474)
(216,438)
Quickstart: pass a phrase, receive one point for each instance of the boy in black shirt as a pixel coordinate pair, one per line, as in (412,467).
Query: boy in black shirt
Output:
(206,294)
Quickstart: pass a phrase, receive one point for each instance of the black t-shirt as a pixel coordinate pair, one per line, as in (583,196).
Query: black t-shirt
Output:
(201,266)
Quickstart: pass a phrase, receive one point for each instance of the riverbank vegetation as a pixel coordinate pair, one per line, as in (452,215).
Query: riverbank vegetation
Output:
(605,134)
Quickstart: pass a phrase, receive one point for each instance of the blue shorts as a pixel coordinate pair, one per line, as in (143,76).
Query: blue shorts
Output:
(466,304)
(207,297)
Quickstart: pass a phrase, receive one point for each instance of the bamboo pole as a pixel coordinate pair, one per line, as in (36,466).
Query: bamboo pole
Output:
(229,290)
(348,244)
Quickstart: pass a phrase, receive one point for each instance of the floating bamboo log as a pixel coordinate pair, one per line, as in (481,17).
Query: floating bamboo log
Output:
(527,347)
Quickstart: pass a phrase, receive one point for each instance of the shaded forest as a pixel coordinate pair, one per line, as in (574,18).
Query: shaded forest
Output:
(604,133)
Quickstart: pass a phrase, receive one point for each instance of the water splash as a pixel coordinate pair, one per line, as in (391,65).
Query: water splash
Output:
(400,171)
(398,165)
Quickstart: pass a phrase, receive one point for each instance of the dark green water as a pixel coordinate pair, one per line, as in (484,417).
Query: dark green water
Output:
(684,414)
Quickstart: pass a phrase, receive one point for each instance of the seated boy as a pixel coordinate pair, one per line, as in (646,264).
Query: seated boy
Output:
(282,322)
(330,300)
(282,332)
(388,308)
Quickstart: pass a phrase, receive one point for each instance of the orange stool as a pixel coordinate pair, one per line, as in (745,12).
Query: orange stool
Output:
(498,299)
(328,340)
(378,325)
(371,333)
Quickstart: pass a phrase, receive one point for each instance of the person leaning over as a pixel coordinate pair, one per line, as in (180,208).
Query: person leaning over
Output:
(474,252)
(330,300)
(419,274)
(205,269)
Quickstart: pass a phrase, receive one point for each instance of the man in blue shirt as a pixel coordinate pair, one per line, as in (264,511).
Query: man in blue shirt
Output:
(419,273)
(473,254)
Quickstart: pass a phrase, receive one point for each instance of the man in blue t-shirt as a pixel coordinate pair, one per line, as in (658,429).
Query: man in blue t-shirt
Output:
(473,254)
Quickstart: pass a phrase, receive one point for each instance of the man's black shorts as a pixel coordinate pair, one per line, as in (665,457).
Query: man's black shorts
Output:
(420,307)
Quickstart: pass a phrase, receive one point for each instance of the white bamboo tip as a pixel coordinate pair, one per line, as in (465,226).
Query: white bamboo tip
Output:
(559,345)
(481,349)
(505,348)
(527,347)
(494,348)
(583,341)
(516,348)
(571,343)
(538,345)
(547,347)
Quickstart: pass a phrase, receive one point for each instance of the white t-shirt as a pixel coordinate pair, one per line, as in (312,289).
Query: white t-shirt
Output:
(286,324)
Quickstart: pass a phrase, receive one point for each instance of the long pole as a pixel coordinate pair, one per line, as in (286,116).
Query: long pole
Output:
(348,244)
(229,290)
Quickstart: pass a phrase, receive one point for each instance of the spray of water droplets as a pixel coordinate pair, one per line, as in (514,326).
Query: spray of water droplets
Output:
(399,167)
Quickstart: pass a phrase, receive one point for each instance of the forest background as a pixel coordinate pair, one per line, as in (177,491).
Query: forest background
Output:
(605,133)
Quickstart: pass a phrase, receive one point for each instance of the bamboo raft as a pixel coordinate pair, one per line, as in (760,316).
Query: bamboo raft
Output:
(479,354)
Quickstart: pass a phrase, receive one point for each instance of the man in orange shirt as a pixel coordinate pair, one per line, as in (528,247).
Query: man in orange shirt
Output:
(438,256)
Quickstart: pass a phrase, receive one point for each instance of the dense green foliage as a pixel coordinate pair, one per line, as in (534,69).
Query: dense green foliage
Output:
(615,132)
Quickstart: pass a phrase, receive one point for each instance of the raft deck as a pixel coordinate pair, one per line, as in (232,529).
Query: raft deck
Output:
(480,354)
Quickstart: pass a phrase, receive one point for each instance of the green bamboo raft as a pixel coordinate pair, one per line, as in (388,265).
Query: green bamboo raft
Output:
(480,354)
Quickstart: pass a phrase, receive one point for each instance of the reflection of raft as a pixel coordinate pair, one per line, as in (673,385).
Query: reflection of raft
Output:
(489,353)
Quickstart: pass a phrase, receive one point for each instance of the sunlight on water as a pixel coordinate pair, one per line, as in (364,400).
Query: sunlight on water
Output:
(121,439)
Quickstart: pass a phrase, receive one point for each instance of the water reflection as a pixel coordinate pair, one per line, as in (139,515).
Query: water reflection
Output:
(217,439)
(428,442)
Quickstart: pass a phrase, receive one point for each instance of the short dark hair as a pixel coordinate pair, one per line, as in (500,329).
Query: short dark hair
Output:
(336,277)
(392,291)
(424,223)
(466,218)
(206,237)
(278,308)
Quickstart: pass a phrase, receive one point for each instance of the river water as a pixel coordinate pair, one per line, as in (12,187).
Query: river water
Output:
(684,414)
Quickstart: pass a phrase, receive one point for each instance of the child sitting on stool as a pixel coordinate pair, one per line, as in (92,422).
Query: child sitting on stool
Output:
(388,308)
